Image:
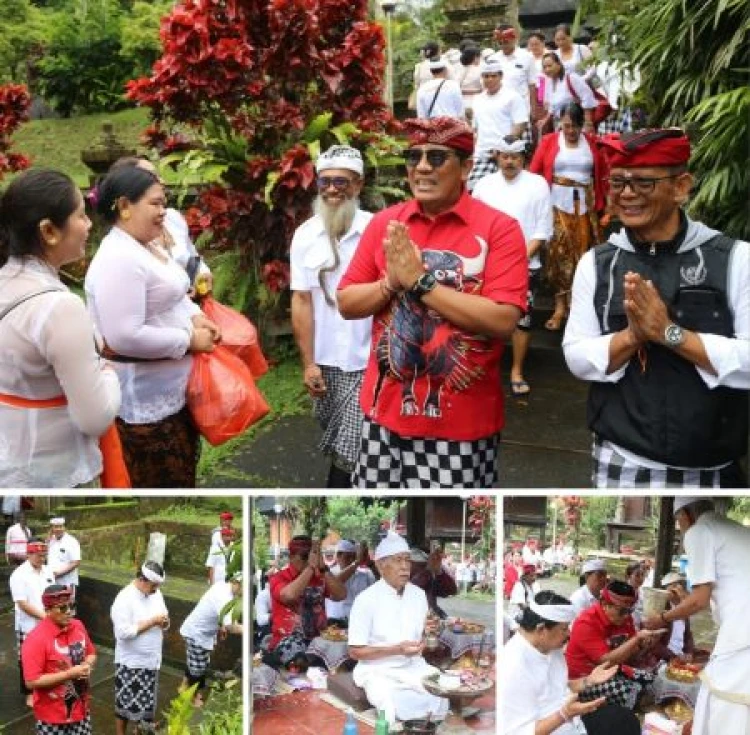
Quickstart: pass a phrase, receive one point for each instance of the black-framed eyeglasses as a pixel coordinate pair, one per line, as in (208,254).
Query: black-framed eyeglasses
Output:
(637,184)
(436,157)
(625,610)
(337,182)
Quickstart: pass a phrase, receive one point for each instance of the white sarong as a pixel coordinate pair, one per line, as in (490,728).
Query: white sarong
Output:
(723,704)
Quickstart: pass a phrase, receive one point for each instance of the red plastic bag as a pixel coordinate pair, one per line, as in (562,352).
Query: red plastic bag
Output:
(222,396)
(238,334)
(115,473)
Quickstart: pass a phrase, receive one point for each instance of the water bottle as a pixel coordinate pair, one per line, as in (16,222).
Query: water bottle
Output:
(381,726)
(350,727)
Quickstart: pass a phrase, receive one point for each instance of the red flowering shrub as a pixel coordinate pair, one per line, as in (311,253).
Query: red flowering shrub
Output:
(252,79)
(14,109)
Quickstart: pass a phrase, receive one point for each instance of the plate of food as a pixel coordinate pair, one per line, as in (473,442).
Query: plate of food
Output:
(682,671)
(473,628)
(332,633)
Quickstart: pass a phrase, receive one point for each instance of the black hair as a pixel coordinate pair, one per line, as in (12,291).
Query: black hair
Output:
(431,49)
(504,26)
(537,34)
(55,589)
(467,43)
(131,182)
(152,566)
(575,112)
(34,196)
(564,28)
(553,55)
(529,620)
(469,55)
(632,567)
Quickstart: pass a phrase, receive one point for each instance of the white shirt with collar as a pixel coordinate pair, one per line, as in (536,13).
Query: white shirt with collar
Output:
(27,585)
(62,551)
(217,560)
(582,599)
(338,343)
(519,72)
(184,247)
(131,607)
(494,117)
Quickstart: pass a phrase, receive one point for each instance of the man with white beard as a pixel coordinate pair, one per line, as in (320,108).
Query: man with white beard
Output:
(334,352)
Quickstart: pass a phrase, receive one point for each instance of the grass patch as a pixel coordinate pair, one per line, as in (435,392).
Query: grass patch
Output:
(479,596)
(58,143)
(282,388)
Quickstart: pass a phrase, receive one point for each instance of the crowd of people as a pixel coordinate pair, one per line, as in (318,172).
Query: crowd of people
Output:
(401,316)
(56,656)
(595,655)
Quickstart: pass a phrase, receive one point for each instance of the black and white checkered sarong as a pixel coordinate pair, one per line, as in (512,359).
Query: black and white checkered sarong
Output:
(196,658)
(612,470)
(535,277)
(387,460)
(618,690)
(484,164)
(340,416)
(135,693)
(82,727)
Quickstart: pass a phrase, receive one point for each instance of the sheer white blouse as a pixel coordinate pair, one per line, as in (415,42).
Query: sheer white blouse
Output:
(47,349)
(140,306)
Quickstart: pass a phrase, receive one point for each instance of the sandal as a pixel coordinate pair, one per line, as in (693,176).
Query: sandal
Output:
(519,388)
(554,323)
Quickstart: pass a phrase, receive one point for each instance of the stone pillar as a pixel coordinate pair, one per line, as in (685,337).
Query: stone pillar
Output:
(475,19)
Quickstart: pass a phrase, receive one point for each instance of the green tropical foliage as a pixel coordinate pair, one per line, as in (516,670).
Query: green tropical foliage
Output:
(350,518)
(694,59)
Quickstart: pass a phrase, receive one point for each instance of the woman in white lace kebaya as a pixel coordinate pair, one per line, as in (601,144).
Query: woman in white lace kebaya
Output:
(137,296)
(56,395)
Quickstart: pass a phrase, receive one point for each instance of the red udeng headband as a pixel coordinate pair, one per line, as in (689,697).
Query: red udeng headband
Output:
(613,598)
(646,148)
(36,547)
(508,34)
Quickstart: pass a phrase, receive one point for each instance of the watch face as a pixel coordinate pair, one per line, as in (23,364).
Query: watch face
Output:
(674,335)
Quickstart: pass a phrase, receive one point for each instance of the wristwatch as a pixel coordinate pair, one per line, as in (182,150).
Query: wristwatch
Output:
(424,284)
(674,335)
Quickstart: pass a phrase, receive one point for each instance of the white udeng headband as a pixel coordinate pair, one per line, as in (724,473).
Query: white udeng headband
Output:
(57,521)
(152,576)
(517,146)
(555,613)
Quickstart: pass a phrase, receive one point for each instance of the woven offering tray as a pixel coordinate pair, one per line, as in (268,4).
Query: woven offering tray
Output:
(473,685)
(682,672)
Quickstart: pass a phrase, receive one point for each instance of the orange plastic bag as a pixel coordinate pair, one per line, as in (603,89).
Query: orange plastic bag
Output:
(222,396)
(238,334)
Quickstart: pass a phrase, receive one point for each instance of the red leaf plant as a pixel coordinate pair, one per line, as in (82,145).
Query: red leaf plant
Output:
(14,110)
(248,77)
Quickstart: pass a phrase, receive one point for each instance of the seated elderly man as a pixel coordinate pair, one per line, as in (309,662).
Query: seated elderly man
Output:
(385,638)
(350,571)
(298,592)
(428,573)
(605,634)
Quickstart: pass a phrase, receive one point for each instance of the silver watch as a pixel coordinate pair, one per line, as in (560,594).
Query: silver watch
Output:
(674,335)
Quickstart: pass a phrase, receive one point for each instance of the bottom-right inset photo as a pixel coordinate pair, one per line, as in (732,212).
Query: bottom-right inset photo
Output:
(625,615)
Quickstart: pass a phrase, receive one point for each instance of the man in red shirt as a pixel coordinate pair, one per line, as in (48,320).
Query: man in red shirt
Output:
(445,278)
(298,594)
(57,658)
(604,634)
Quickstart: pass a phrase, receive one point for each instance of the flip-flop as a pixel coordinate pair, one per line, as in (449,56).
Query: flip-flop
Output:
(519,388)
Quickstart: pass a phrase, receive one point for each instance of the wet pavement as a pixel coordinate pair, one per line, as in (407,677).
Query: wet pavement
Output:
(545,442)
(17,719)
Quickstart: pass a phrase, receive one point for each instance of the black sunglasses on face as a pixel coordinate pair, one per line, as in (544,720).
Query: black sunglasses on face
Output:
(65,607)
(435,157)
(337,182)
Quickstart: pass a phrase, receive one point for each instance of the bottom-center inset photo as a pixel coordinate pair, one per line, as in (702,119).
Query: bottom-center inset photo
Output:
(374,615)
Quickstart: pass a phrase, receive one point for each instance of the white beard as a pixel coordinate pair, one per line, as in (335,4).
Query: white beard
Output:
(337,219)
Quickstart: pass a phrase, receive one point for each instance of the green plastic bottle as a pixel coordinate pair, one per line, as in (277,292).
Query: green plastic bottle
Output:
(381,726)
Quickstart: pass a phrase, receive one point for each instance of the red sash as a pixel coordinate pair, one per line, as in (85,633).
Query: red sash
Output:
(114,471)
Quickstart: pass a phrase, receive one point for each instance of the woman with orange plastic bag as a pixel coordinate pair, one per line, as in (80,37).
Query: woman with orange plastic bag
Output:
(57,397)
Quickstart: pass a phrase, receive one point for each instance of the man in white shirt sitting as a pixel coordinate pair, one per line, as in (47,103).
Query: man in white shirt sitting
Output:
(498,111)
(63,555)
(386,630)
(594,580)
(441,96)
(349,570)
(526,197)
(334,351)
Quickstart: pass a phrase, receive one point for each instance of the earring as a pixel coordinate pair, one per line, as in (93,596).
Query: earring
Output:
(125,214)
(52,241)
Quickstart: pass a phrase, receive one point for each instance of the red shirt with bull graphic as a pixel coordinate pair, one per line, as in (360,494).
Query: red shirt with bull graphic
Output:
(426,377)
(49,649)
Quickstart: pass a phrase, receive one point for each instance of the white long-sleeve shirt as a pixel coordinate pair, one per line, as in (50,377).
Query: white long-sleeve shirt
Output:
(131,607)
(47,349)
(140,306)
(203,622)
(448,103)
(586,349)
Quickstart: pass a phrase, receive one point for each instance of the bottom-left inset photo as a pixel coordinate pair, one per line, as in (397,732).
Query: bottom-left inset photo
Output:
(121,614)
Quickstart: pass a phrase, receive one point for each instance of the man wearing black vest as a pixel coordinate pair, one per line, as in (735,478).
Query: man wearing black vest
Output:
(660,325)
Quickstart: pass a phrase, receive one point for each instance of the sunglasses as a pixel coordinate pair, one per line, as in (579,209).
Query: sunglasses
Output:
(638,184)
(337,182)
(436,157)
(65,607)
(625,610)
